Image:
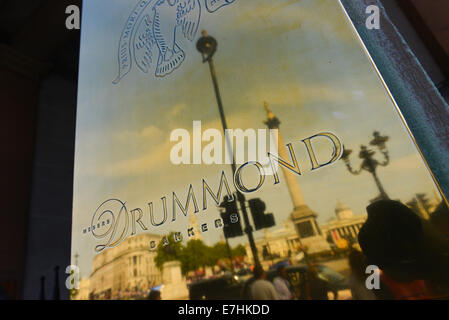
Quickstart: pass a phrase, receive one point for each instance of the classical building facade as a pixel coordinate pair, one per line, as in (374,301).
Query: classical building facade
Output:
(125,267)
(285,243)
(344,227)
(282,243)
(128,267)
(84,290)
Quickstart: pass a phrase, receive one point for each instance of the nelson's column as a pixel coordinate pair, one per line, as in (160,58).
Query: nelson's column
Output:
(304,219)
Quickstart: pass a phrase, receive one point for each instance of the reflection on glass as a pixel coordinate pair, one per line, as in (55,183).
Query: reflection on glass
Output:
(145,227)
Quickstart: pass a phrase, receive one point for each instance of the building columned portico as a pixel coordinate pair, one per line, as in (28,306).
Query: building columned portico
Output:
(285,243)
(127,267)
(344,227)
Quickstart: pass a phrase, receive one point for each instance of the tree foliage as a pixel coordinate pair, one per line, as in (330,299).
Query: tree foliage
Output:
(170,252)
(239,251)
(195,254)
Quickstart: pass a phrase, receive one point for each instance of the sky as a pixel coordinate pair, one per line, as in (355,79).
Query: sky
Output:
(301,56)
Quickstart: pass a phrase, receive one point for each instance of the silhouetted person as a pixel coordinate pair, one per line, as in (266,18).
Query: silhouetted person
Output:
(411,253)
(316,288)
(246,292)
(358,276)
(282,284)
(154,295)
(261,289)
(440,219)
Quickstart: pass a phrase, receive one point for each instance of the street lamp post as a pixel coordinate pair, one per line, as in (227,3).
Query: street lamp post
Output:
(370,164)
(207,46)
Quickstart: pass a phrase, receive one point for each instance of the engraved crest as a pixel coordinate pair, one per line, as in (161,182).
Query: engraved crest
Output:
(149,36)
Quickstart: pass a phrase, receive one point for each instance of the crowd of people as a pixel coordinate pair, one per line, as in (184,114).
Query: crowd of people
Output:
(259,288)
(408,254)
(126,294)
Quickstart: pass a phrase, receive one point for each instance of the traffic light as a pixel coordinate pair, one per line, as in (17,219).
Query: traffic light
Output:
(231,218)
(260,218)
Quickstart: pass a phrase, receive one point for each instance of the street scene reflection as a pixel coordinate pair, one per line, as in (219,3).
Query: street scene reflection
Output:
(197,271)
(332,223)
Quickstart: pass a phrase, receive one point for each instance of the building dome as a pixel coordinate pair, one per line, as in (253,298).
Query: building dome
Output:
(343,211)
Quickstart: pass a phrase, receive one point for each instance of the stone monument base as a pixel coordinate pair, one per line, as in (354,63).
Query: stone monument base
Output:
(174,284)
(316,244)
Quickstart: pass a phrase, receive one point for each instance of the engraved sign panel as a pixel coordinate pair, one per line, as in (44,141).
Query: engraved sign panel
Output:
(218,137)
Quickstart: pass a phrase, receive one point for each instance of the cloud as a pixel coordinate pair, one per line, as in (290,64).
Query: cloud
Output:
(150,132)
(177,109)
(409,163)
(157,158)
(290,15)
(143,164)
(294,94)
